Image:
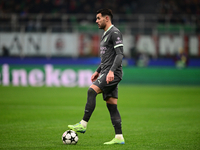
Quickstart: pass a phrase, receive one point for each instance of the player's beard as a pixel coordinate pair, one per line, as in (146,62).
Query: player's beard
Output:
(102,26)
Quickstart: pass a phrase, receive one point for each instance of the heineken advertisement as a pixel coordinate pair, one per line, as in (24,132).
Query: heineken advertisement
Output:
(77,75)
(45,75)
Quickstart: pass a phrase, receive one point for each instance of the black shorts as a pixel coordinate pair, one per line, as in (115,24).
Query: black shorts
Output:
(110,89)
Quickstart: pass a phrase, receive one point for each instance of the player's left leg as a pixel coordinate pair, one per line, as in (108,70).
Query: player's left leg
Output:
(91,101)
(111,103)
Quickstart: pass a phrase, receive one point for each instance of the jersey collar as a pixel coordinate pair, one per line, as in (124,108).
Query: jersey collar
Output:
(108,29)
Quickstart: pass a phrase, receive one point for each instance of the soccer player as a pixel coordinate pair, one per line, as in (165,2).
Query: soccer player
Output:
(107,76)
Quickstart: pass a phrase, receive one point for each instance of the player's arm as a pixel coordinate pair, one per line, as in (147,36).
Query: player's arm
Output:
(118,46)
(117,62)
(118,59)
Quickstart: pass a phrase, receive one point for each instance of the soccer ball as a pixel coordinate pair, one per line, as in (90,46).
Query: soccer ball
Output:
(70,137)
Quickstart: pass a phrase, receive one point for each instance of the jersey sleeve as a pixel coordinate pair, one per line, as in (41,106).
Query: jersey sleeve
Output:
(118,46)
(118,59)
(98,69)
(117,39)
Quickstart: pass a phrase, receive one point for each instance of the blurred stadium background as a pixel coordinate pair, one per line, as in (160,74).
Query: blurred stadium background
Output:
(56,42)
(45,44)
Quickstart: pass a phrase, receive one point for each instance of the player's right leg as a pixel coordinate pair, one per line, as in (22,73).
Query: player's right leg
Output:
(89,108)
(116,121)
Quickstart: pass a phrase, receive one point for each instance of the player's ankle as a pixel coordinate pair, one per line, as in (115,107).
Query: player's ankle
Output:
(119,136)
(84,123)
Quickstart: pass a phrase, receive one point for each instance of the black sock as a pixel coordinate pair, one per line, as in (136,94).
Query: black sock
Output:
(115,118)
(90,105)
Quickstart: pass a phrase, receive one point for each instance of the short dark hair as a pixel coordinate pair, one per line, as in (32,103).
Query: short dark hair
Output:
(105,11)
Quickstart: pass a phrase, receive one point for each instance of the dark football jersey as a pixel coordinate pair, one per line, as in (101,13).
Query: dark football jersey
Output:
(111,39)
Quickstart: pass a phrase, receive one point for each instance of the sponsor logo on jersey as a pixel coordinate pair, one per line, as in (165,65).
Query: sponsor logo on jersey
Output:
(103,50)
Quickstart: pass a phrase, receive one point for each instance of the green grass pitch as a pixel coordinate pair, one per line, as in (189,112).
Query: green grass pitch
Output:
(153,118)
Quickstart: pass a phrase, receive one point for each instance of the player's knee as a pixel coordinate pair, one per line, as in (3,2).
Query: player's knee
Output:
(91,99)
(111,100)
(91,92)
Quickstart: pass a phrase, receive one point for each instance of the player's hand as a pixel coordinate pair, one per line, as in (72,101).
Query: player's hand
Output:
(110,77)
(94,76)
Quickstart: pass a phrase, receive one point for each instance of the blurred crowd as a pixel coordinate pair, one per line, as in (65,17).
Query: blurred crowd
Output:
(24,7)
(168,11)
(90,6)
(179,11)
(170,7)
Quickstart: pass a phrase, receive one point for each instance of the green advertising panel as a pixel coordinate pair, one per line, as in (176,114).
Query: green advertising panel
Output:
(164,75)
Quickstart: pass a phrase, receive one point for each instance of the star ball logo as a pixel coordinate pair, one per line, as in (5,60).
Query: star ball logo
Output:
(119,40)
